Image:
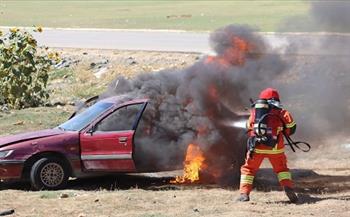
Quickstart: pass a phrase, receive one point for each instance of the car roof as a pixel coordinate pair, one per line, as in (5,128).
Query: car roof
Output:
(123,99)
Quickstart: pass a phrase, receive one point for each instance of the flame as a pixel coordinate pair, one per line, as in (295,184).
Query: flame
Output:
(194,162)
(235,54)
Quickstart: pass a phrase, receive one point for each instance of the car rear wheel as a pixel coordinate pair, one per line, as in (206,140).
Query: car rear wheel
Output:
(49,174)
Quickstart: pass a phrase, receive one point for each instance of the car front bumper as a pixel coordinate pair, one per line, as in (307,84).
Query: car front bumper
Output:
(10,169)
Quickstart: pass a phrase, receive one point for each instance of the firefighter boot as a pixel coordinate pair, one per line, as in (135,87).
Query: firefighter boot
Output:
(293,198)
(243,197)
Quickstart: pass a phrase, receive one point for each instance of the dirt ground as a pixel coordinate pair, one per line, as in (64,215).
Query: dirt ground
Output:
(322,181)
(323,190)
(322,176)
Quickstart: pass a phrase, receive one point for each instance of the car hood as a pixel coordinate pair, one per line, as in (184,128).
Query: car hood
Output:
(8,140)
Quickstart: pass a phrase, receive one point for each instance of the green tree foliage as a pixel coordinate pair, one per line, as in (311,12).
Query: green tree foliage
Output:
(23,70)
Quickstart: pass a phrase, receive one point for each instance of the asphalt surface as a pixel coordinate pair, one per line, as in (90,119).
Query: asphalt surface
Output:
(126,40)
(178,41)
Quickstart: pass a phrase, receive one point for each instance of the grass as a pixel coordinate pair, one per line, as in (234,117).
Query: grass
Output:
(32,119)
(66,86)
(186,15)
(55,194)
(63,73)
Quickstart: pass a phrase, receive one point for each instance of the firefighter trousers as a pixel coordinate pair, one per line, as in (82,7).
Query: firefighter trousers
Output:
(251,166)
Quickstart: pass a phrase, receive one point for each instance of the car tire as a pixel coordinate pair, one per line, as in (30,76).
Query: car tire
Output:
(49,174)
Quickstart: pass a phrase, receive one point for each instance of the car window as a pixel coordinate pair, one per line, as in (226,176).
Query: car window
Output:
(81,120)
(122,119)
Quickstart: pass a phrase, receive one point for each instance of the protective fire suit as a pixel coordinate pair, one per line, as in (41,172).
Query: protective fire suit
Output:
(275,154)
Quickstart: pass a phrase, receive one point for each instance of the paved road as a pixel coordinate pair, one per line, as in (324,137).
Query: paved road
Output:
(181,41)
(126,40)
(149,40)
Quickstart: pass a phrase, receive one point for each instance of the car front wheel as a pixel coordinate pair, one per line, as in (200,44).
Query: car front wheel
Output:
(49,174)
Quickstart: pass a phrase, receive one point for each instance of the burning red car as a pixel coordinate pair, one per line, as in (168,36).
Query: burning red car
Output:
(87,144)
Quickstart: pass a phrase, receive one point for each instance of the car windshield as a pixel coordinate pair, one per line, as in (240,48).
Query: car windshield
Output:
(80,121)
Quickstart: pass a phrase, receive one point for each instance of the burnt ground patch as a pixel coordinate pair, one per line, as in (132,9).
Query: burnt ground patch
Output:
(306,181)
(105,182)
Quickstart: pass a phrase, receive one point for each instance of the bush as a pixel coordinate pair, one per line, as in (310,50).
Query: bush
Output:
(23,70)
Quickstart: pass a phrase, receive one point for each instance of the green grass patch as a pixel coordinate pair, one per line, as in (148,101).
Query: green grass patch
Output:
(64,73)
(32,119)
(86,91)
(186,15)
(55,194)
(66,87)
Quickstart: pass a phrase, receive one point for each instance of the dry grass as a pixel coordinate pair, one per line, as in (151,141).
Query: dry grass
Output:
(80,80)
(197,202)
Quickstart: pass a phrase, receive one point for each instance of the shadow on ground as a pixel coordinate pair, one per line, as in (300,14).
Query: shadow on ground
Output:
(305,198)
(308,199)
(107,182)
(306,181)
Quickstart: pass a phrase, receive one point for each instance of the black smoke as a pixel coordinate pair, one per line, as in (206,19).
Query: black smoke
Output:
(190,105)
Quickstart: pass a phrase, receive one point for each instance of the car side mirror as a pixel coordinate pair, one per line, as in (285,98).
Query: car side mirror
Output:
(92,130)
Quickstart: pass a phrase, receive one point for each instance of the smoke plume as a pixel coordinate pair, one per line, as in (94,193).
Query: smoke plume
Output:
(317,83)
(190,105)
(323,16)
(331,16)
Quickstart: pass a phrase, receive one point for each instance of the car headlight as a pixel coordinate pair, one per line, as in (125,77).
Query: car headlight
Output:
(6,153)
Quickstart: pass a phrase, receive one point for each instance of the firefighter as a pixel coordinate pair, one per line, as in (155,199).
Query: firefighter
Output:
(265,125)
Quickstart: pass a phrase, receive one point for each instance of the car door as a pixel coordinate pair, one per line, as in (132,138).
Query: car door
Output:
(108,144)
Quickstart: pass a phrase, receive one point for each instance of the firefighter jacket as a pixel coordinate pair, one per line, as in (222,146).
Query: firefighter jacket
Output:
(275,127)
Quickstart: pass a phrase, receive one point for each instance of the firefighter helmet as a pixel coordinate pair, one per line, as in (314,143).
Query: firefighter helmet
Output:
(269,93)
